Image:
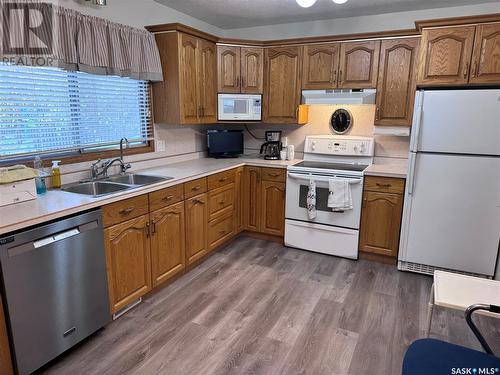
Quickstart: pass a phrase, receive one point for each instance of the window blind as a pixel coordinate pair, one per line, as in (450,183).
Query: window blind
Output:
(49,110)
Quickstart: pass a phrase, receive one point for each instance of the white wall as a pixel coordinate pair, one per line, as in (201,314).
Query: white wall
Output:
(353,25)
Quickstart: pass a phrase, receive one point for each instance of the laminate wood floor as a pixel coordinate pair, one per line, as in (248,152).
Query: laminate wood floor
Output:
(256,307)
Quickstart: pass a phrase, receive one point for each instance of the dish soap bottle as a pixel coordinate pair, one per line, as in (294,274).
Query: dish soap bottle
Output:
(41,188)
(56,174)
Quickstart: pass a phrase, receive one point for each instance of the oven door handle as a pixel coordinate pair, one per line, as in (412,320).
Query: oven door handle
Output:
(323,179)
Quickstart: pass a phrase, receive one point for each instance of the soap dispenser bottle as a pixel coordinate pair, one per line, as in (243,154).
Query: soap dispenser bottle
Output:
(56,174)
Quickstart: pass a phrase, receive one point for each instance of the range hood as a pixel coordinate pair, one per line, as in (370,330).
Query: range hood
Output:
(354,96)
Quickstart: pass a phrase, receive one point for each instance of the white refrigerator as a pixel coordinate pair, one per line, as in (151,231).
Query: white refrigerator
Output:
(451,216)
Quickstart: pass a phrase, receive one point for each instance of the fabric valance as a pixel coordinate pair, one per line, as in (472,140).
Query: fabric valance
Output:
(43,34)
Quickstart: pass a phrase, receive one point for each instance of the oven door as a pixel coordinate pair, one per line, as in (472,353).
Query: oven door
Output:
(297,188)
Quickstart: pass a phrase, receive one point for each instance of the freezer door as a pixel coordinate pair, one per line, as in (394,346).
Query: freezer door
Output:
(457,121)
(452,213)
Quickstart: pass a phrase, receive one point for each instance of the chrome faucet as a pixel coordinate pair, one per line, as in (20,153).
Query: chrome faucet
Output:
(94,169)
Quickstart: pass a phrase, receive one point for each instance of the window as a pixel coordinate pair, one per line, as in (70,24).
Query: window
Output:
(49,110)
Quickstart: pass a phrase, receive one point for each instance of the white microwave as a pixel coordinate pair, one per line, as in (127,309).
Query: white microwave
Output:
(240,107)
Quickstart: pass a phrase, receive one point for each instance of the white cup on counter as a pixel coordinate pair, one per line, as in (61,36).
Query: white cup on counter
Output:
(290,152)
(283,154)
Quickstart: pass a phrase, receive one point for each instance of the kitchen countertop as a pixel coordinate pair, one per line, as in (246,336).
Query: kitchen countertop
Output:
(56,204)
(387,170)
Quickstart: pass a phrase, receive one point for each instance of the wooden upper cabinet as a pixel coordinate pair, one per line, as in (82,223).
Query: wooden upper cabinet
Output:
(189,79)
(207,81)
(240,69)
(229,69)
(486,59)
(167,242)
(397,81)
(359,64)
(445,55)
(188,93)
(252,70)
(128,261)
(320,66)
(282,84)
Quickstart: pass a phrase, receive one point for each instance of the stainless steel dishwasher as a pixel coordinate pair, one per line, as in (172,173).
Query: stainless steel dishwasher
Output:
(54,279)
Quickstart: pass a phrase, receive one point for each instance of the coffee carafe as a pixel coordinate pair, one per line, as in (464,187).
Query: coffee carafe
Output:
(271,149)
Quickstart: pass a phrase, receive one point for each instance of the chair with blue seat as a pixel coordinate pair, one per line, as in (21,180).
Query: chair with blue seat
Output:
(436,357)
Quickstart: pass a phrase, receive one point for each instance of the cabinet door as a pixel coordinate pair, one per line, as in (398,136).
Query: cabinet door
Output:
(320,66)
(128,261)
(167,242)
(397,82)
(282,85)
(229,68)
(273,208)
(196,227)
(189,78)
(239,200)
(445,55)
(252,70)
(207,81)
(381,223)
(252,198)
(358,65)
(486,60)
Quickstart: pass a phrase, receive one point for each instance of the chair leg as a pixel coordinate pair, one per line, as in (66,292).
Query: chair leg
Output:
(430,310)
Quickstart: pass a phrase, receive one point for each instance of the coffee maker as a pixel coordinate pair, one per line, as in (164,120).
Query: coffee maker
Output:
(271,149)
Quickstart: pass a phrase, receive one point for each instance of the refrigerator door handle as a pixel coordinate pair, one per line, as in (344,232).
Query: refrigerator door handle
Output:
(412,163)
(417,120)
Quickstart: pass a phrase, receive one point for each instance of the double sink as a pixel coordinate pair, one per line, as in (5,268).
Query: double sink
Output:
(113,184)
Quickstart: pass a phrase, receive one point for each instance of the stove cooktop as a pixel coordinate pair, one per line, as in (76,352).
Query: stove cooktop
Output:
(331,166)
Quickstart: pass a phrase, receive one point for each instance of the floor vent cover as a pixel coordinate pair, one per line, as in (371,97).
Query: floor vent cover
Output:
(429,270)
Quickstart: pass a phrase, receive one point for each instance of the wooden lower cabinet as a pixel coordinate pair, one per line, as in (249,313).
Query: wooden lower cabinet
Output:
(252,191)
(196,228)
(381,218)
(239,200)
(128,261)
(167,243)
(273,208)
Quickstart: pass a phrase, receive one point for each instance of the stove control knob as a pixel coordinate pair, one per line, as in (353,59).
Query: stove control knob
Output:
(362,148)
(313,145)
(355,149)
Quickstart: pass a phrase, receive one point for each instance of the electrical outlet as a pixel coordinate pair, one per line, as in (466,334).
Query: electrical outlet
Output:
(161,145)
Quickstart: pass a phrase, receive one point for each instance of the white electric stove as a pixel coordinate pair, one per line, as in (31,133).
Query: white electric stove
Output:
(327,157)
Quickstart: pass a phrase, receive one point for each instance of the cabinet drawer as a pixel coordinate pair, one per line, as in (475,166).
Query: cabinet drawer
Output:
(166,197)
(274,174)
(220,230)
(220,179)
(195,187)
(220,201)
(385,184)
(126,209)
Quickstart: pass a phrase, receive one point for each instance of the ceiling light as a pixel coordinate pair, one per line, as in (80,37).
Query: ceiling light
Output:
(306,3)
(340,1)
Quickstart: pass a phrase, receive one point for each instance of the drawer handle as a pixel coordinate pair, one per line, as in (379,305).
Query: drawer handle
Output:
(222,203)
(274,174)
(383,185)
(126,211)
(196,188)
(167,198)
(222,232)
(197,201)
(223,179)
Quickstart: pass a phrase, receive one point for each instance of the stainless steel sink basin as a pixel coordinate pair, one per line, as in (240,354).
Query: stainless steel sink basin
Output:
(113,184)
(95,188)
(137,179)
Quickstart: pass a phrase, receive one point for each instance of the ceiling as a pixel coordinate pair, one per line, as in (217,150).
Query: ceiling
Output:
(232,14)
